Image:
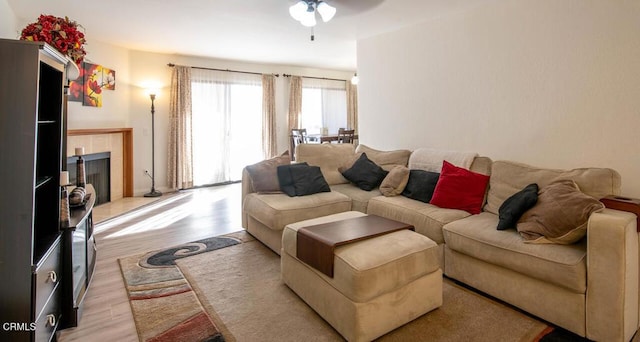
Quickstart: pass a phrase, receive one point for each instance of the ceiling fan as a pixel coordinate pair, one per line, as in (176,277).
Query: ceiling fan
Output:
(305,11)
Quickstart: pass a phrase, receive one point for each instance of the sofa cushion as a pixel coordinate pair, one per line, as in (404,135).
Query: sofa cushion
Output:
(420,185)
(459,188)
(263,175)
(386,159)
(395,182)
(364,173)
(476,236)
(359,198)
(507,178)
(329,157)
(512,209)
(560,216)
(427,219)
(400,257)
(429,159)
(277,210)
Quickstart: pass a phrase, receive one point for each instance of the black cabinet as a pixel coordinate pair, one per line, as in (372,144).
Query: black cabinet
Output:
(79,260)
(31,153)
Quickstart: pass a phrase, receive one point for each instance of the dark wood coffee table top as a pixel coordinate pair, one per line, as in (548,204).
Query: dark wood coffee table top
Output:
(316,244)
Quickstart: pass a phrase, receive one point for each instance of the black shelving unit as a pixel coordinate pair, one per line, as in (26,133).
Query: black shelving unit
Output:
(32,129)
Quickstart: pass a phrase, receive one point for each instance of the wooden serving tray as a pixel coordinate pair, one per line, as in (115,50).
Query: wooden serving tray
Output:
(316,244)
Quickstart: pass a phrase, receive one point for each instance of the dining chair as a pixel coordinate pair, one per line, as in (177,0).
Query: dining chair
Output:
(298,136)
(346,136)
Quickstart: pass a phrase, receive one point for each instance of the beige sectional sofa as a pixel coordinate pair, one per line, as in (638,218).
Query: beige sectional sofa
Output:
(590,287)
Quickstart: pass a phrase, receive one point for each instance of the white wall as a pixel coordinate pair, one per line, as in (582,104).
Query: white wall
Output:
(8,22)
(545,82)
(150,69)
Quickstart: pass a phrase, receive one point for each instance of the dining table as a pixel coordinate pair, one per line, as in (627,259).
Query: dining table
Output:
(322,138)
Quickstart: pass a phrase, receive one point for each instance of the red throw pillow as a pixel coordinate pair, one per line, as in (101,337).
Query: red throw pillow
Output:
(460,188)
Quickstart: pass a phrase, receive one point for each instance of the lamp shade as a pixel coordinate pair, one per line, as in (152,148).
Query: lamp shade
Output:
(326,11)
(308,19)
(296,11)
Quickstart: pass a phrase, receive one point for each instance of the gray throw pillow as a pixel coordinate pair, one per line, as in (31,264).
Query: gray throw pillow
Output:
(263,175)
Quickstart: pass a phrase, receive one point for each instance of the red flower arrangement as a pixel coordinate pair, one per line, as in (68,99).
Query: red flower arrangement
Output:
(61,33)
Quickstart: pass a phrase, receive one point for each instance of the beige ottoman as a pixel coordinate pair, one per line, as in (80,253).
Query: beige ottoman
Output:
(379,284)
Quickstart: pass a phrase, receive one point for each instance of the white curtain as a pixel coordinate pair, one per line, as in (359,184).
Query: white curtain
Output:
(324,105)
(227,124)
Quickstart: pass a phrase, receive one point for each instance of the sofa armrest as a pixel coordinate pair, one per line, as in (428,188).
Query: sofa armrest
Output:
(247,188)
(612,276)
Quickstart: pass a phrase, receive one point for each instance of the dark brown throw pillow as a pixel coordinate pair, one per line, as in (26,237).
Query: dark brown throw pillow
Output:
(560,215)
(512,209)
(264,176)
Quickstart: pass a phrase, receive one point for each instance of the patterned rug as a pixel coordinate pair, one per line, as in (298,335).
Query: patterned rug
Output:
(214,301)
(164,305)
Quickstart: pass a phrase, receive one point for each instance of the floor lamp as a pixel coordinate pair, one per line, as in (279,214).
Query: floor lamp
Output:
(153,192)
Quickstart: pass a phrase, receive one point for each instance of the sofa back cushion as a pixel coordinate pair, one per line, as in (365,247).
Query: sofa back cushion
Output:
(385,159)
(430,159)
(508,177)
(329,157)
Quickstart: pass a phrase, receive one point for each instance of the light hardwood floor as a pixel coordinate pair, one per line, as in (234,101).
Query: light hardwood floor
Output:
(177,218)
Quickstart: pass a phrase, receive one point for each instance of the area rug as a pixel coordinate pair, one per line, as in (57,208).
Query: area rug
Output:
(235,293)
(164,306)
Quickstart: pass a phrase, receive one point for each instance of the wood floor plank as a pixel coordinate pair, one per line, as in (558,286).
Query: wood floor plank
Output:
(186,216)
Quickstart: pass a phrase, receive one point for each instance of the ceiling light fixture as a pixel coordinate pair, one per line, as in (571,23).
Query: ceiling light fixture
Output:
(355,79)
(304,11)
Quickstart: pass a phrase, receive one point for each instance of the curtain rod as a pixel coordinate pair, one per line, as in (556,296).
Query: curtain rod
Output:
(227,70)
(317,78)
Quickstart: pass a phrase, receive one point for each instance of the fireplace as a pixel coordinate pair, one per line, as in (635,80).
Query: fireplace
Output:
(97,168)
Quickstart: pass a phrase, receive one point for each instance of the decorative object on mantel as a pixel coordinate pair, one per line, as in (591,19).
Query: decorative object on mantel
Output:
(80,174)
(65,215)
(61,33)
(78,197)
(153,192)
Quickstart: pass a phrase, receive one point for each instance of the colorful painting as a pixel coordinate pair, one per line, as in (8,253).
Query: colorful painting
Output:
(87,88)
(92,85)
(108,79)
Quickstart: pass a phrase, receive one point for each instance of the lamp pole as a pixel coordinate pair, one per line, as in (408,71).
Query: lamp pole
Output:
(153,192)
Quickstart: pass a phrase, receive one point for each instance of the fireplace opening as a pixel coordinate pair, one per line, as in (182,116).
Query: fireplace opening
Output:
(97,168)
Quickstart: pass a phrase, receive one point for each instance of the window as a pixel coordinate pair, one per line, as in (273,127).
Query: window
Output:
(324,105)
(227,125)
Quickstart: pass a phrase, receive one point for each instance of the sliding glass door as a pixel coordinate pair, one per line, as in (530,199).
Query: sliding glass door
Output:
(324,105)
(227,125)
